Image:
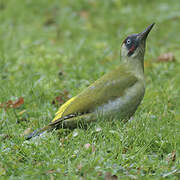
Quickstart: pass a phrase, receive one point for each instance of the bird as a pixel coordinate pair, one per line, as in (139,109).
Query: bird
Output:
(116,94)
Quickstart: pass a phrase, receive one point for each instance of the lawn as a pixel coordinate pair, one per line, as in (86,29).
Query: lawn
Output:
(51,50)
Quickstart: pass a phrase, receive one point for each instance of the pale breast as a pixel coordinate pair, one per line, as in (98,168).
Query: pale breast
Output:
(125,106)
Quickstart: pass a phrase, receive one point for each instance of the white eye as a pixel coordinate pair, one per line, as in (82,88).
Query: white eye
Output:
(128,41)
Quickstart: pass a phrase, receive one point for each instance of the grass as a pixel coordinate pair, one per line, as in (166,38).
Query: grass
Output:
(48,47)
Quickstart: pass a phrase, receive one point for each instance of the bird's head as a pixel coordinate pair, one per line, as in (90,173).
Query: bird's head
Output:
(133,47)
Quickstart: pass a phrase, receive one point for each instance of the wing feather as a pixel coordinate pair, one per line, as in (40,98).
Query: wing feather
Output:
(108,87)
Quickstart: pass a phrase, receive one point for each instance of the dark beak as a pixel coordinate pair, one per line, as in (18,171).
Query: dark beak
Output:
(143,35)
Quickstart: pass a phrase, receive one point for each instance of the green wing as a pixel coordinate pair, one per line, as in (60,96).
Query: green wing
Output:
(108,87)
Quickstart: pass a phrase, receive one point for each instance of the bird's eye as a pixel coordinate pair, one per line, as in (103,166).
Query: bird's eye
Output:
(128,41)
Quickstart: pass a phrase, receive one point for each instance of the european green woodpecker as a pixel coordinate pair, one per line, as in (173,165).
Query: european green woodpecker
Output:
(117,94)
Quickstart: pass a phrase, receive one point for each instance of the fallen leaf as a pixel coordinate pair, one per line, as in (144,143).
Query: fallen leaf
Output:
(61,99)
(18,102)
(58,100)
(12,104)
(166,57)
(109,176)
(8,104)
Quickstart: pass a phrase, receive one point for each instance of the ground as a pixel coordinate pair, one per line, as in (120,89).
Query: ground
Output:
(50,50)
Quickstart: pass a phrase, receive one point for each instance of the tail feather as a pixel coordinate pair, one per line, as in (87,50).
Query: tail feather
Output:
(70,121)
(39,132)
(49,127)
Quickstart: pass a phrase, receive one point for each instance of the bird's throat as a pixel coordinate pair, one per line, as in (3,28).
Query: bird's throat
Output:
(135,65)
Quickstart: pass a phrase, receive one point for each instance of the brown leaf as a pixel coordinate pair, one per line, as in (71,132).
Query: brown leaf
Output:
(8,104)
(18,102)
(12,104)
(109,176)
(166,57)
(61,99)
(58,100)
